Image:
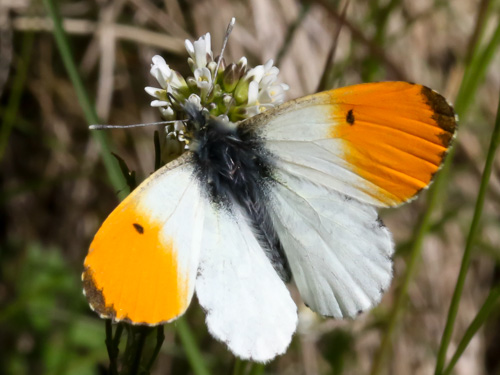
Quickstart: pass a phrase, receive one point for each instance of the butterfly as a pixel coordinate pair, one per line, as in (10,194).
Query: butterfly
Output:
(287,195)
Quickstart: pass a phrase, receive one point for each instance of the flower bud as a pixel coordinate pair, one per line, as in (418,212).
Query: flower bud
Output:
(241,67)
(241,91)
(230,78)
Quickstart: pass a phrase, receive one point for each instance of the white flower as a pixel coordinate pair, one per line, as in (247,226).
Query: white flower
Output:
(273,94)
(166,77)
(203,79)
(233,93)
(167,112)
(266,72)
(161,71)
(200,51)
(196,100)
(263,95)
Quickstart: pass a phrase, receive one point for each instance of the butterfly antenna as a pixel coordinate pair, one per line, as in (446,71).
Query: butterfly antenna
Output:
(224,43)
(101,127)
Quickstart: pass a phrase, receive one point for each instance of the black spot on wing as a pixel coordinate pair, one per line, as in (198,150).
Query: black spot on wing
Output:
(350,117)
(139,228)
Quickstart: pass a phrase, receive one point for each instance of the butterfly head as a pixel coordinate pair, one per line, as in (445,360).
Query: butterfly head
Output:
(202,127)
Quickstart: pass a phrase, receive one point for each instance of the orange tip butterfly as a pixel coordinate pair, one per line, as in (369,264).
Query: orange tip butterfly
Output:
(288,194)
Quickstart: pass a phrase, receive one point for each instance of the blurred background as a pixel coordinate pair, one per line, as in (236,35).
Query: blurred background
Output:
(55,191)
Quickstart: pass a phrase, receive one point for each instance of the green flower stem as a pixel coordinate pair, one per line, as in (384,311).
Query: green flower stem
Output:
(160,337)
(189,343)
(488,307)
(142,334)
(112,349)
(114,173)
(112,166)
(457,294)
(475,68)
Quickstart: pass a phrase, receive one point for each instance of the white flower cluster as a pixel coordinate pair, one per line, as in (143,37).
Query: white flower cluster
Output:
(233,92)
(263,90)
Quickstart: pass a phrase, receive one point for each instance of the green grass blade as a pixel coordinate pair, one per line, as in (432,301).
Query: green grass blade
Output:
(112,168)
(457,294)
(239,366)
(475,75)
(488,307)
(189,343)
(257,369)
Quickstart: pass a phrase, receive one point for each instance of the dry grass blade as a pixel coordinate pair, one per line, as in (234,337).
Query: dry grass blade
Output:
(324,82)
(357,34)
(160,18)
(124,32)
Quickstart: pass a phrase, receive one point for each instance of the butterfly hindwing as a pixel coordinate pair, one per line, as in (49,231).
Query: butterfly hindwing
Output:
(248,306)
(338,250)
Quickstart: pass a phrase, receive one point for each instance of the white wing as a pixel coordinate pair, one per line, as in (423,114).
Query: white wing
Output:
(143,261)
(380,143)
(335,155)
(248,306)
(338,250)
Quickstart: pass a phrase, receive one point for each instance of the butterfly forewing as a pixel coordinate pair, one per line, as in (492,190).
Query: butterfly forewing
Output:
(142,264)
(380,143)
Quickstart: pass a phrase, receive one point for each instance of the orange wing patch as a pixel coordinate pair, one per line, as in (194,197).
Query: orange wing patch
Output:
(131,271)
(396,135)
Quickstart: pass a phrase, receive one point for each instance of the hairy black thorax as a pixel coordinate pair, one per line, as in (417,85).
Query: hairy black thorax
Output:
(235,169)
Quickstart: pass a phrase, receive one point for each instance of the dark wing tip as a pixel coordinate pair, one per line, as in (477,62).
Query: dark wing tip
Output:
(95,296)
(444,115)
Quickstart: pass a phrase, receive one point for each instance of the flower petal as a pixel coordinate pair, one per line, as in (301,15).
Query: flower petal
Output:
(153,91)
(253,93)
(159,103)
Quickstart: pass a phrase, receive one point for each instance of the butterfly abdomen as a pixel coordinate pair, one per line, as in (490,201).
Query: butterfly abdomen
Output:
(237,171)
